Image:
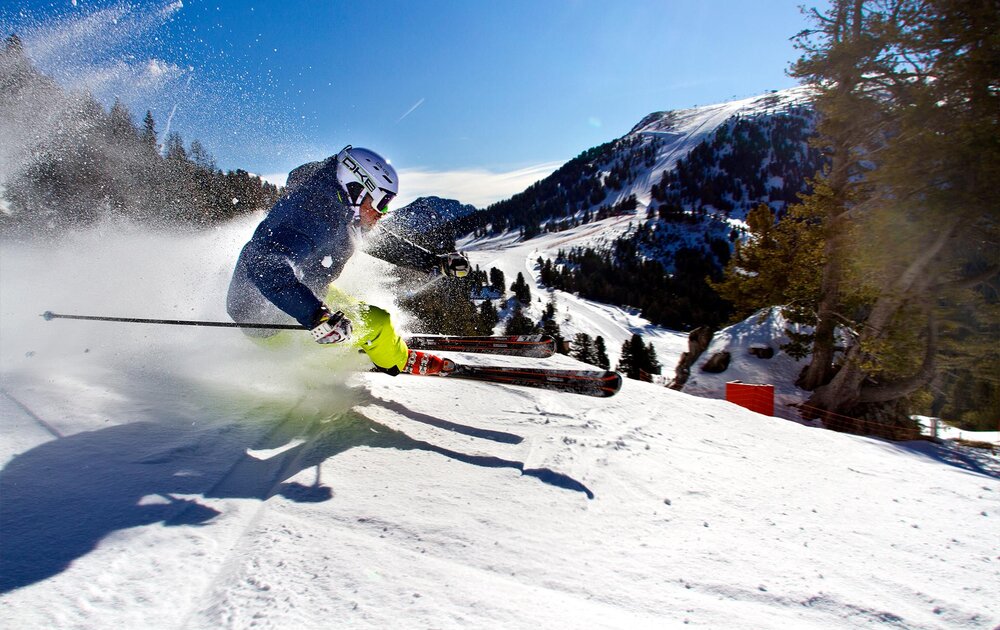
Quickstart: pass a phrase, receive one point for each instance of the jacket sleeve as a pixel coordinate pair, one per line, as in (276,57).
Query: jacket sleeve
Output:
(271,269)
(397,250)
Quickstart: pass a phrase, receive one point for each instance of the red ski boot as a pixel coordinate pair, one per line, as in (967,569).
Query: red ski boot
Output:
(424,363)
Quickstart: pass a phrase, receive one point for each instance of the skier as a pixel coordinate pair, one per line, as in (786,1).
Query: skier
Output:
(302,245)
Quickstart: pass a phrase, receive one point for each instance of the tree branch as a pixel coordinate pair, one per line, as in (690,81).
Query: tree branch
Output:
(968,283)
(918,266)
(904,387)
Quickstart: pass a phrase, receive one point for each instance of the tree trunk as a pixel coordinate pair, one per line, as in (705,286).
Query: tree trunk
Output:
(843,136)
(820,368)
(846,388)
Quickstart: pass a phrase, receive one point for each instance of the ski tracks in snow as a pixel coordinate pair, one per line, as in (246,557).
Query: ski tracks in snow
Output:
(242,479)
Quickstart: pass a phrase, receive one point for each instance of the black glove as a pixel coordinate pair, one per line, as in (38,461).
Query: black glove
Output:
(454,264)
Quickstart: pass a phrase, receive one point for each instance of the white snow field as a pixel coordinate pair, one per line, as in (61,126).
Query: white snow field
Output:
(185,478)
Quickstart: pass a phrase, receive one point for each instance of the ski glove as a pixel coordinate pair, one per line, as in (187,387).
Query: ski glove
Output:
(454,264)
(331,327)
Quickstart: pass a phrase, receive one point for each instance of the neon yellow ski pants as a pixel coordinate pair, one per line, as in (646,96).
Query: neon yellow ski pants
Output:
(373,330)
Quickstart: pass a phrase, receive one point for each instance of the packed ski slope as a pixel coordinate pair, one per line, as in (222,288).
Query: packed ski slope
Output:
(164,477)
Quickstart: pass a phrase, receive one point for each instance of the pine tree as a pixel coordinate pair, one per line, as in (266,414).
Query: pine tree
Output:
(175,147)
(550,307)
(652,364)
(582,348)
(488,318)
(497,281)
(478,279)
(444,308)
(519,324)
(521,290)
(849,116)
(626,361)
(911,124)
(120,122)
(601,359)
(201,157)
(551,328)
(638,360)
(776,264)
(148,135)
(99,163)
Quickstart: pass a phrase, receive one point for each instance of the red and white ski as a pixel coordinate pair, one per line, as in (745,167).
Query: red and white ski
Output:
(599,383)
(535,346)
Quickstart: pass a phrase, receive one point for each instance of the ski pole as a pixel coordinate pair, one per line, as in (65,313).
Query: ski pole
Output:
(49,315)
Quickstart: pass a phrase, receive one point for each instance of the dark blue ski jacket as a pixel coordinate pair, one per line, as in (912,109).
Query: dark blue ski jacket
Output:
(302,246)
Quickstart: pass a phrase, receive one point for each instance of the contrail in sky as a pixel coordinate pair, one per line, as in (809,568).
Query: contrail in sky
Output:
(410,111)
(166,132)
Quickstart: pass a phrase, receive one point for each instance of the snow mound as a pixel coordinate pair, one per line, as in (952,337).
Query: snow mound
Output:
(765,330)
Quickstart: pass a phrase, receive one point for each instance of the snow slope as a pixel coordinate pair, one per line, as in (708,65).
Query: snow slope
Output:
(575,314)
(766,329)
(684,129)
(167,477)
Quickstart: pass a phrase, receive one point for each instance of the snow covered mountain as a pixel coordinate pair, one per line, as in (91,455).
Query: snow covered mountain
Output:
(680,131)
(427,213)
(626,176)
(169,477)
(684,182)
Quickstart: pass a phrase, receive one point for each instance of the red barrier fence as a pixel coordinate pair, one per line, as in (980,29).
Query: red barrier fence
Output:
(759,398)
(898,429)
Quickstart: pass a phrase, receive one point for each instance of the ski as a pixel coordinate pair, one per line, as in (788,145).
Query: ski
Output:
(599,383)
(535,346)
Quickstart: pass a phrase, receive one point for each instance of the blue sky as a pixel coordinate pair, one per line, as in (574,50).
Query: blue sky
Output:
(475,96)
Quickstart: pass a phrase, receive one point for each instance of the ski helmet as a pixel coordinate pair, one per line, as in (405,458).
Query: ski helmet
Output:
(363,172)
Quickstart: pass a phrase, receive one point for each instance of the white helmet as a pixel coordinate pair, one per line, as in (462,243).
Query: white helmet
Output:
(361,171)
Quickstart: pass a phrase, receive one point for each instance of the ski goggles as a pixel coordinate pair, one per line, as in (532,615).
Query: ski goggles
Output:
(383,203)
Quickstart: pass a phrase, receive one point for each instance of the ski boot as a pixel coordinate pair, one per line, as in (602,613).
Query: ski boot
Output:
(425,363)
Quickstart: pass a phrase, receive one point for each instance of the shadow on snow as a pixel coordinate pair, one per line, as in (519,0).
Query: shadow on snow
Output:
(61,498)
(974,460)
